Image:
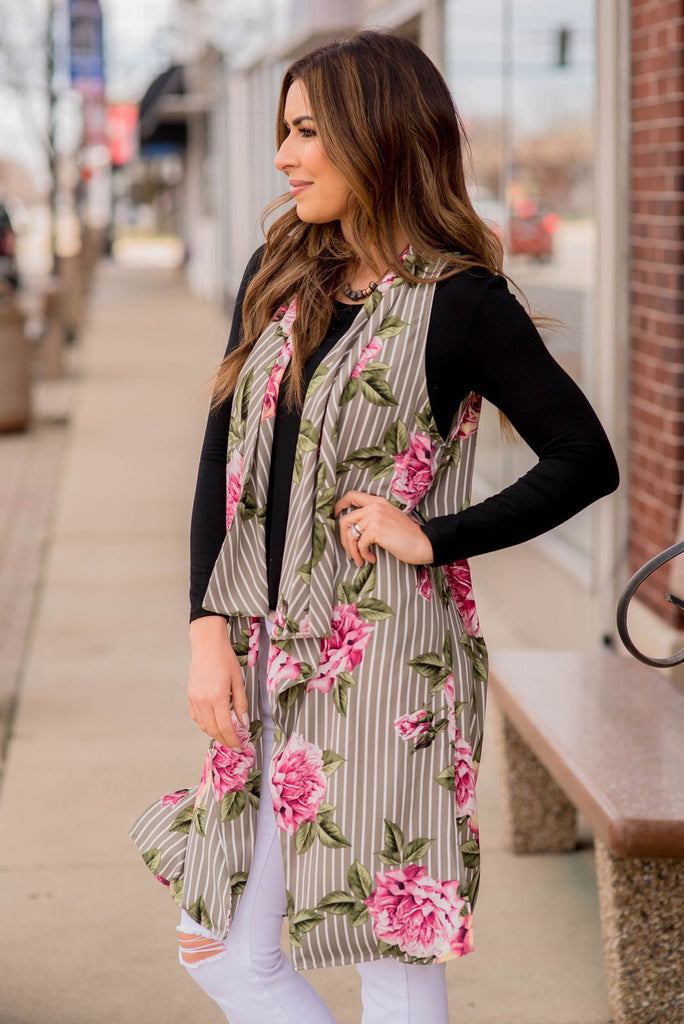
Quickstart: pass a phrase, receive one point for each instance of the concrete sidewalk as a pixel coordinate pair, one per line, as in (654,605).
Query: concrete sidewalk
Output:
(102,727)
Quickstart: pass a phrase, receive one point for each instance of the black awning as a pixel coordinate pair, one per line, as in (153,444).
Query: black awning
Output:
(156,133)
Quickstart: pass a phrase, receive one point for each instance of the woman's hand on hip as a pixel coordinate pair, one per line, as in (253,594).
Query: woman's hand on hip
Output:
(215,684)
(380,522)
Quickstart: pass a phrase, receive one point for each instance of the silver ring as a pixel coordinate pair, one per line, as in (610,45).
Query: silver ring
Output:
(355,530)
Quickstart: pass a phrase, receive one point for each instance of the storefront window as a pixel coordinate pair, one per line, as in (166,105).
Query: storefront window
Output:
(522,75)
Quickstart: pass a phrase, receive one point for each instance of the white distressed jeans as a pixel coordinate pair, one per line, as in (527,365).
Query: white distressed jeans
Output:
(250,977)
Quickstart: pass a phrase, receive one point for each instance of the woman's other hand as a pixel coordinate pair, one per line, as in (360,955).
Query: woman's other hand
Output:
(215,684)
(381,523)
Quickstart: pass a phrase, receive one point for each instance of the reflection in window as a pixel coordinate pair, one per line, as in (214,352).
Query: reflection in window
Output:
(522,75)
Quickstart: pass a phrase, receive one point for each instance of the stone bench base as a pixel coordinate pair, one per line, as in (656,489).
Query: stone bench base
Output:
(641,901)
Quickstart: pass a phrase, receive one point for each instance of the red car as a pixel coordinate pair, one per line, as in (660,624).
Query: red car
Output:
(531,230)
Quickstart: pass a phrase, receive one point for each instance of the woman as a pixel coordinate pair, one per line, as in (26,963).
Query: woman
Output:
(353,670)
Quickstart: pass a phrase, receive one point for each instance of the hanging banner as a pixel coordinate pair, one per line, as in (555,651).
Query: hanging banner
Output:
(87,51)
(87,66)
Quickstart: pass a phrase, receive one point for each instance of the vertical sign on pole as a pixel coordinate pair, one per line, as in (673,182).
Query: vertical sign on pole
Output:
(87,66)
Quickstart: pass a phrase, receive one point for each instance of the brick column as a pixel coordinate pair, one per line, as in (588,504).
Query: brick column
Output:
(657,287)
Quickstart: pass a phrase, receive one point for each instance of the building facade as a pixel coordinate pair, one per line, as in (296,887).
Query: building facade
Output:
(577,130)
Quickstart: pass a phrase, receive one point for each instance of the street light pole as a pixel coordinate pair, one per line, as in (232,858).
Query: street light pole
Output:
(52,129)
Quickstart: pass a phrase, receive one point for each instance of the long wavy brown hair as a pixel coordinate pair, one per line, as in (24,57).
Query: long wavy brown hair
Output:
(386,120)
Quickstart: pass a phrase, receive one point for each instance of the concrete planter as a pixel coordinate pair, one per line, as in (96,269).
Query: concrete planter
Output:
(15,370)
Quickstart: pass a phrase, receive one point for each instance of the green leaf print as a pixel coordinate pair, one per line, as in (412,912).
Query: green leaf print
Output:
(304,837)
(336,902)
(350,390)
(416,849)
(301,922)
(199,820)
(232,805)
(447,653)
(364,581)
(387,950)
(366,458)
(328,832)
(429,664)
(290,902)
(288,698)
(319,375)
(176,890)
(199,913)
(152,859)
(331,762)
(474,647)
(253,787)
(446,778)
(345,592)
(372,303)
(394,837)
(245,396)
(325,504)
(319,541)
(373,610)
(469,891)
(396,437)
(390,327)
(358,915)
(341,689)
(307,440)
(360,880)
(477,752)
(256,728)
(182,821)
(238,881)
(377,391)
(470,852)
(297,467)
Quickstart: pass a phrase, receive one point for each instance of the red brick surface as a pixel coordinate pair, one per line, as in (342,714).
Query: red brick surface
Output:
(656,468)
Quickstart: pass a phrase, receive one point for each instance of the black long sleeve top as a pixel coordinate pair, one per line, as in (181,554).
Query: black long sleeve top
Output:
(481,339)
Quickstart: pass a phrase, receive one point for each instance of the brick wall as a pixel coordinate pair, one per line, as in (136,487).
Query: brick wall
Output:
(657,286)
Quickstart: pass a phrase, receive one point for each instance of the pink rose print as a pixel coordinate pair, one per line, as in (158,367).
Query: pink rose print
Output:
(164,881)
(286,315)
(450,697)
(460,584)
(298,783)
(462,942)
(343,649)
(414,469)
(275,379)
(253,642)
(464,777)
(411,910)
(424,585)
(410,727)
(468,423)
(230,768)
(233,485)
(369,352)
(281,668)
(171,799)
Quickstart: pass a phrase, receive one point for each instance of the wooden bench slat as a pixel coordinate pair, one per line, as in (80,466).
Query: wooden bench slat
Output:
(611,732)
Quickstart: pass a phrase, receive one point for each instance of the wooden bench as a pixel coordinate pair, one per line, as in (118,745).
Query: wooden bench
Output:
(605,735)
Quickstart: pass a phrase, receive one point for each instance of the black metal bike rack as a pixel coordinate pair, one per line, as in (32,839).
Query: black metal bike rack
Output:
(628,593)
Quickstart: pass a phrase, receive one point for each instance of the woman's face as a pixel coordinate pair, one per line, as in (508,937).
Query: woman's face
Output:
(319,190)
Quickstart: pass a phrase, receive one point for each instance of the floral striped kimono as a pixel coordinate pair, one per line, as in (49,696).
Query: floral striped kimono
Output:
(376,676)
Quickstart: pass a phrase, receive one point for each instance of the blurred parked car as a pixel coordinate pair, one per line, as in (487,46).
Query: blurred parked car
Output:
(531,229)
(9,277)
(526,230)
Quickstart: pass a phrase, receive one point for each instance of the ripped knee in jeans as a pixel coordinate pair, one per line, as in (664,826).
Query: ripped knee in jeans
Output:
(196,948)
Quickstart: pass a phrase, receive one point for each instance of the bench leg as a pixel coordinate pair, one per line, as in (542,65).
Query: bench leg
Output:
(642,909)
(539,817)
